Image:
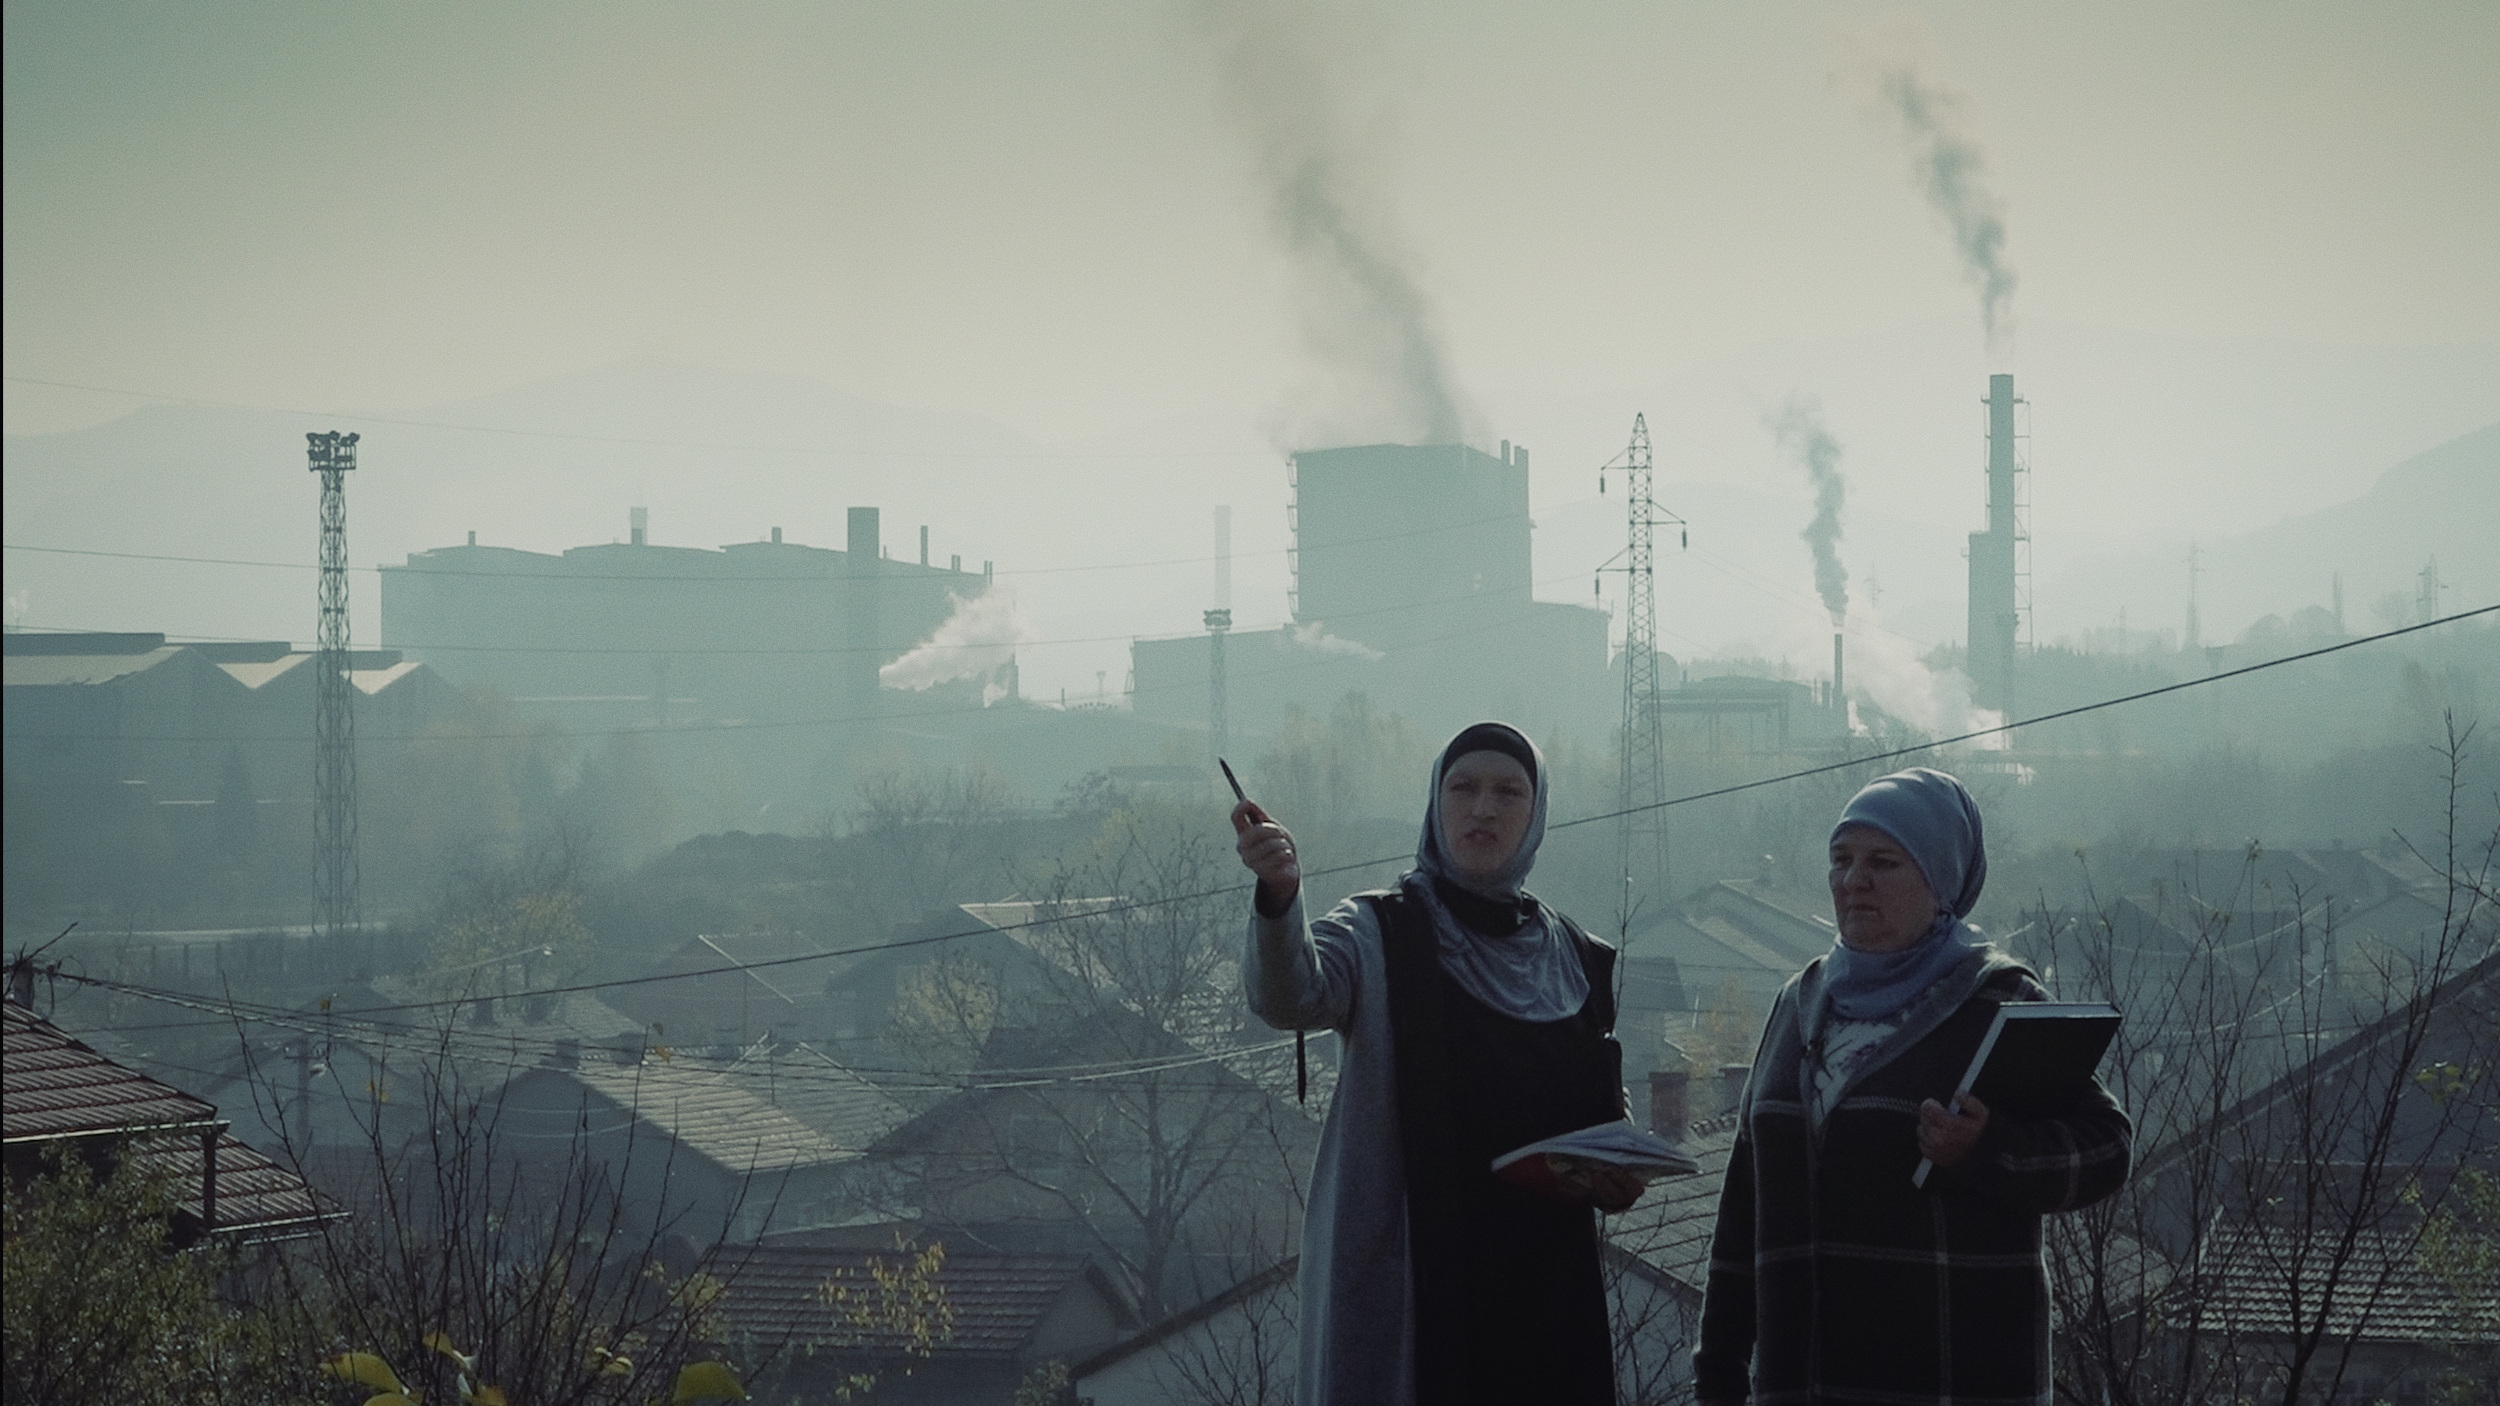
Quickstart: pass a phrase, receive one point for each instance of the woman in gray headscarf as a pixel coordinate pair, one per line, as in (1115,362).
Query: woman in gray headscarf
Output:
(1833,1276)
(1473,1020)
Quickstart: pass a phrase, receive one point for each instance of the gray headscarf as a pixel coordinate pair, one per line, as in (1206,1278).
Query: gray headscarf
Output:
(1932,815)
(1533,974)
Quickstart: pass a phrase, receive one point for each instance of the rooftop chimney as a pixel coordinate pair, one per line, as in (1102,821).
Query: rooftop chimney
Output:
(1732,1085)
(1670,1102)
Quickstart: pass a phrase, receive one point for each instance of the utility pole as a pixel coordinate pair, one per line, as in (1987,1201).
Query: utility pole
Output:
(335,868)
(1641,788)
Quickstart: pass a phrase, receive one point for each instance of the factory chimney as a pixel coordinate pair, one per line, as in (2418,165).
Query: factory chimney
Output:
(638,522)
(1997,557)
(863,567)
(1840,681)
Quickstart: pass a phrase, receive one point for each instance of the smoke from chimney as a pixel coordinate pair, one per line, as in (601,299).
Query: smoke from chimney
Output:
(1363,314)
(1952,172)
(977,639)
(1798,425)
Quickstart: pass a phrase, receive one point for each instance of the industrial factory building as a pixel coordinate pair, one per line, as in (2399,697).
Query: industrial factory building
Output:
(632,634)
(1412,583)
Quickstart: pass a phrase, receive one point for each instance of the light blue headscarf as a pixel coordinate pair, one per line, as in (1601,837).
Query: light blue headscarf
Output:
(1533,974)
(1931,815)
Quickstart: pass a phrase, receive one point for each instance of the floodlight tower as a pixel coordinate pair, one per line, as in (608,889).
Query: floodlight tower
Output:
(335,869)
(1218,727)
(1642,784)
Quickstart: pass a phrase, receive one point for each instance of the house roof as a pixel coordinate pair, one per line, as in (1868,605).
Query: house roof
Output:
(810,1086)
(58,1087)
(1669,1228)
(1272,1277)
(256,1198)
(711,1112)
(999,1301)
(2253,1275)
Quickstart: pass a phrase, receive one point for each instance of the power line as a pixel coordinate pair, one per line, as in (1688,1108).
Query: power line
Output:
(1376,862)
(2077,711)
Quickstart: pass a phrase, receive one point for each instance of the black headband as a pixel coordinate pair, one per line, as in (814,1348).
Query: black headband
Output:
(1489,737)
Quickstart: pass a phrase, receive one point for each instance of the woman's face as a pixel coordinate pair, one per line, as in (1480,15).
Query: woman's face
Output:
(1879,897)
(1486,801)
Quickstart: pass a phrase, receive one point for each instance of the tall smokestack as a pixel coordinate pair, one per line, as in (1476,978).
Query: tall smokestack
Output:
(866,652)
(1995,613)
(1840,682)
(638,522)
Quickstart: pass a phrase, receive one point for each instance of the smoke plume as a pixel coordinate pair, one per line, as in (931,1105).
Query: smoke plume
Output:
(1798,425)
(1952,172)
(1312,634)
(980,635)
(1363,314)
(1887,671)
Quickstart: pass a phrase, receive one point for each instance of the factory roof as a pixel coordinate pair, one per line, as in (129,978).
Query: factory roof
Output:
(55,670)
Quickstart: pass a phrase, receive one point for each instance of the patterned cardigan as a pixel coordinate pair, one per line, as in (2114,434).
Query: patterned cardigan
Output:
(1833,1279)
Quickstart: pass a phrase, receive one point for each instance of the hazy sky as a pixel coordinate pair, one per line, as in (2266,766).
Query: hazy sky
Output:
(1053,213)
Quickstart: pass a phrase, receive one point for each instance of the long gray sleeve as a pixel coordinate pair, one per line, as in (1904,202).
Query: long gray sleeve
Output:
(1301,975)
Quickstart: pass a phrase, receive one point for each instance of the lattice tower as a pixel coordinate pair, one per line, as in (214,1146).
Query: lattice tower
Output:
(335,868)
(1642,784)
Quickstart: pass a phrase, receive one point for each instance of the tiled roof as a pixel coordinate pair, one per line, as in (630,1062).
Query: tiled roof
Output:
(803,1082)
(719,1116)
(256,1198)
(998,1300)
(55,1086)
(1669,1227)
(60,1087)
(2253,1274)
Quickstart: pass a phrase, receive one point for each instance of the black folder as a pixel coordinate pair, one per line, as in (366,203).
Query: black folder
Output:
(2034,1060)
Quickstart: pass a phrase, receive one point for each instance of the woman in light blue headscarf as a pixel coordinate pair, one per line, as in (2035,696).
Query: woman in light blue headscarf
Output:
(1474,1020)
(1833,1276)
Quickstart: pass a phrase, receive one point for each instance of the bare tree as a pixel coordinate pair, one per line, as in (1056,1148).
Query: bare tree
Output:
(1151,1117)
(2292,1146)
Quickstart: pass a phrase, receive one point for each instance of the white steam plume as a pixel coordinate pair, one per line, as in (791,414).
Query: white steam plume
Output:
(1314,635)
(1952,172)
(1886,670)
(1364,316)
(980,635)
(1798,425)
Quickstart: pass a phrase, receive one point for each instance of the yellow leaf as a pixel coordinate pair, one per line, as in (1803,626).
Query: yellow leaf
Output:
(441,1342)
(707,1381)
(392,1398)
(364,1369)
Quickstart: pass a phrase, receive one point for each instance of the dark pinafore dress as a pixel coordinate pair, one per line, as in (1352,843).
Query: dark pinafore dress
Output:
(1509,1303)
